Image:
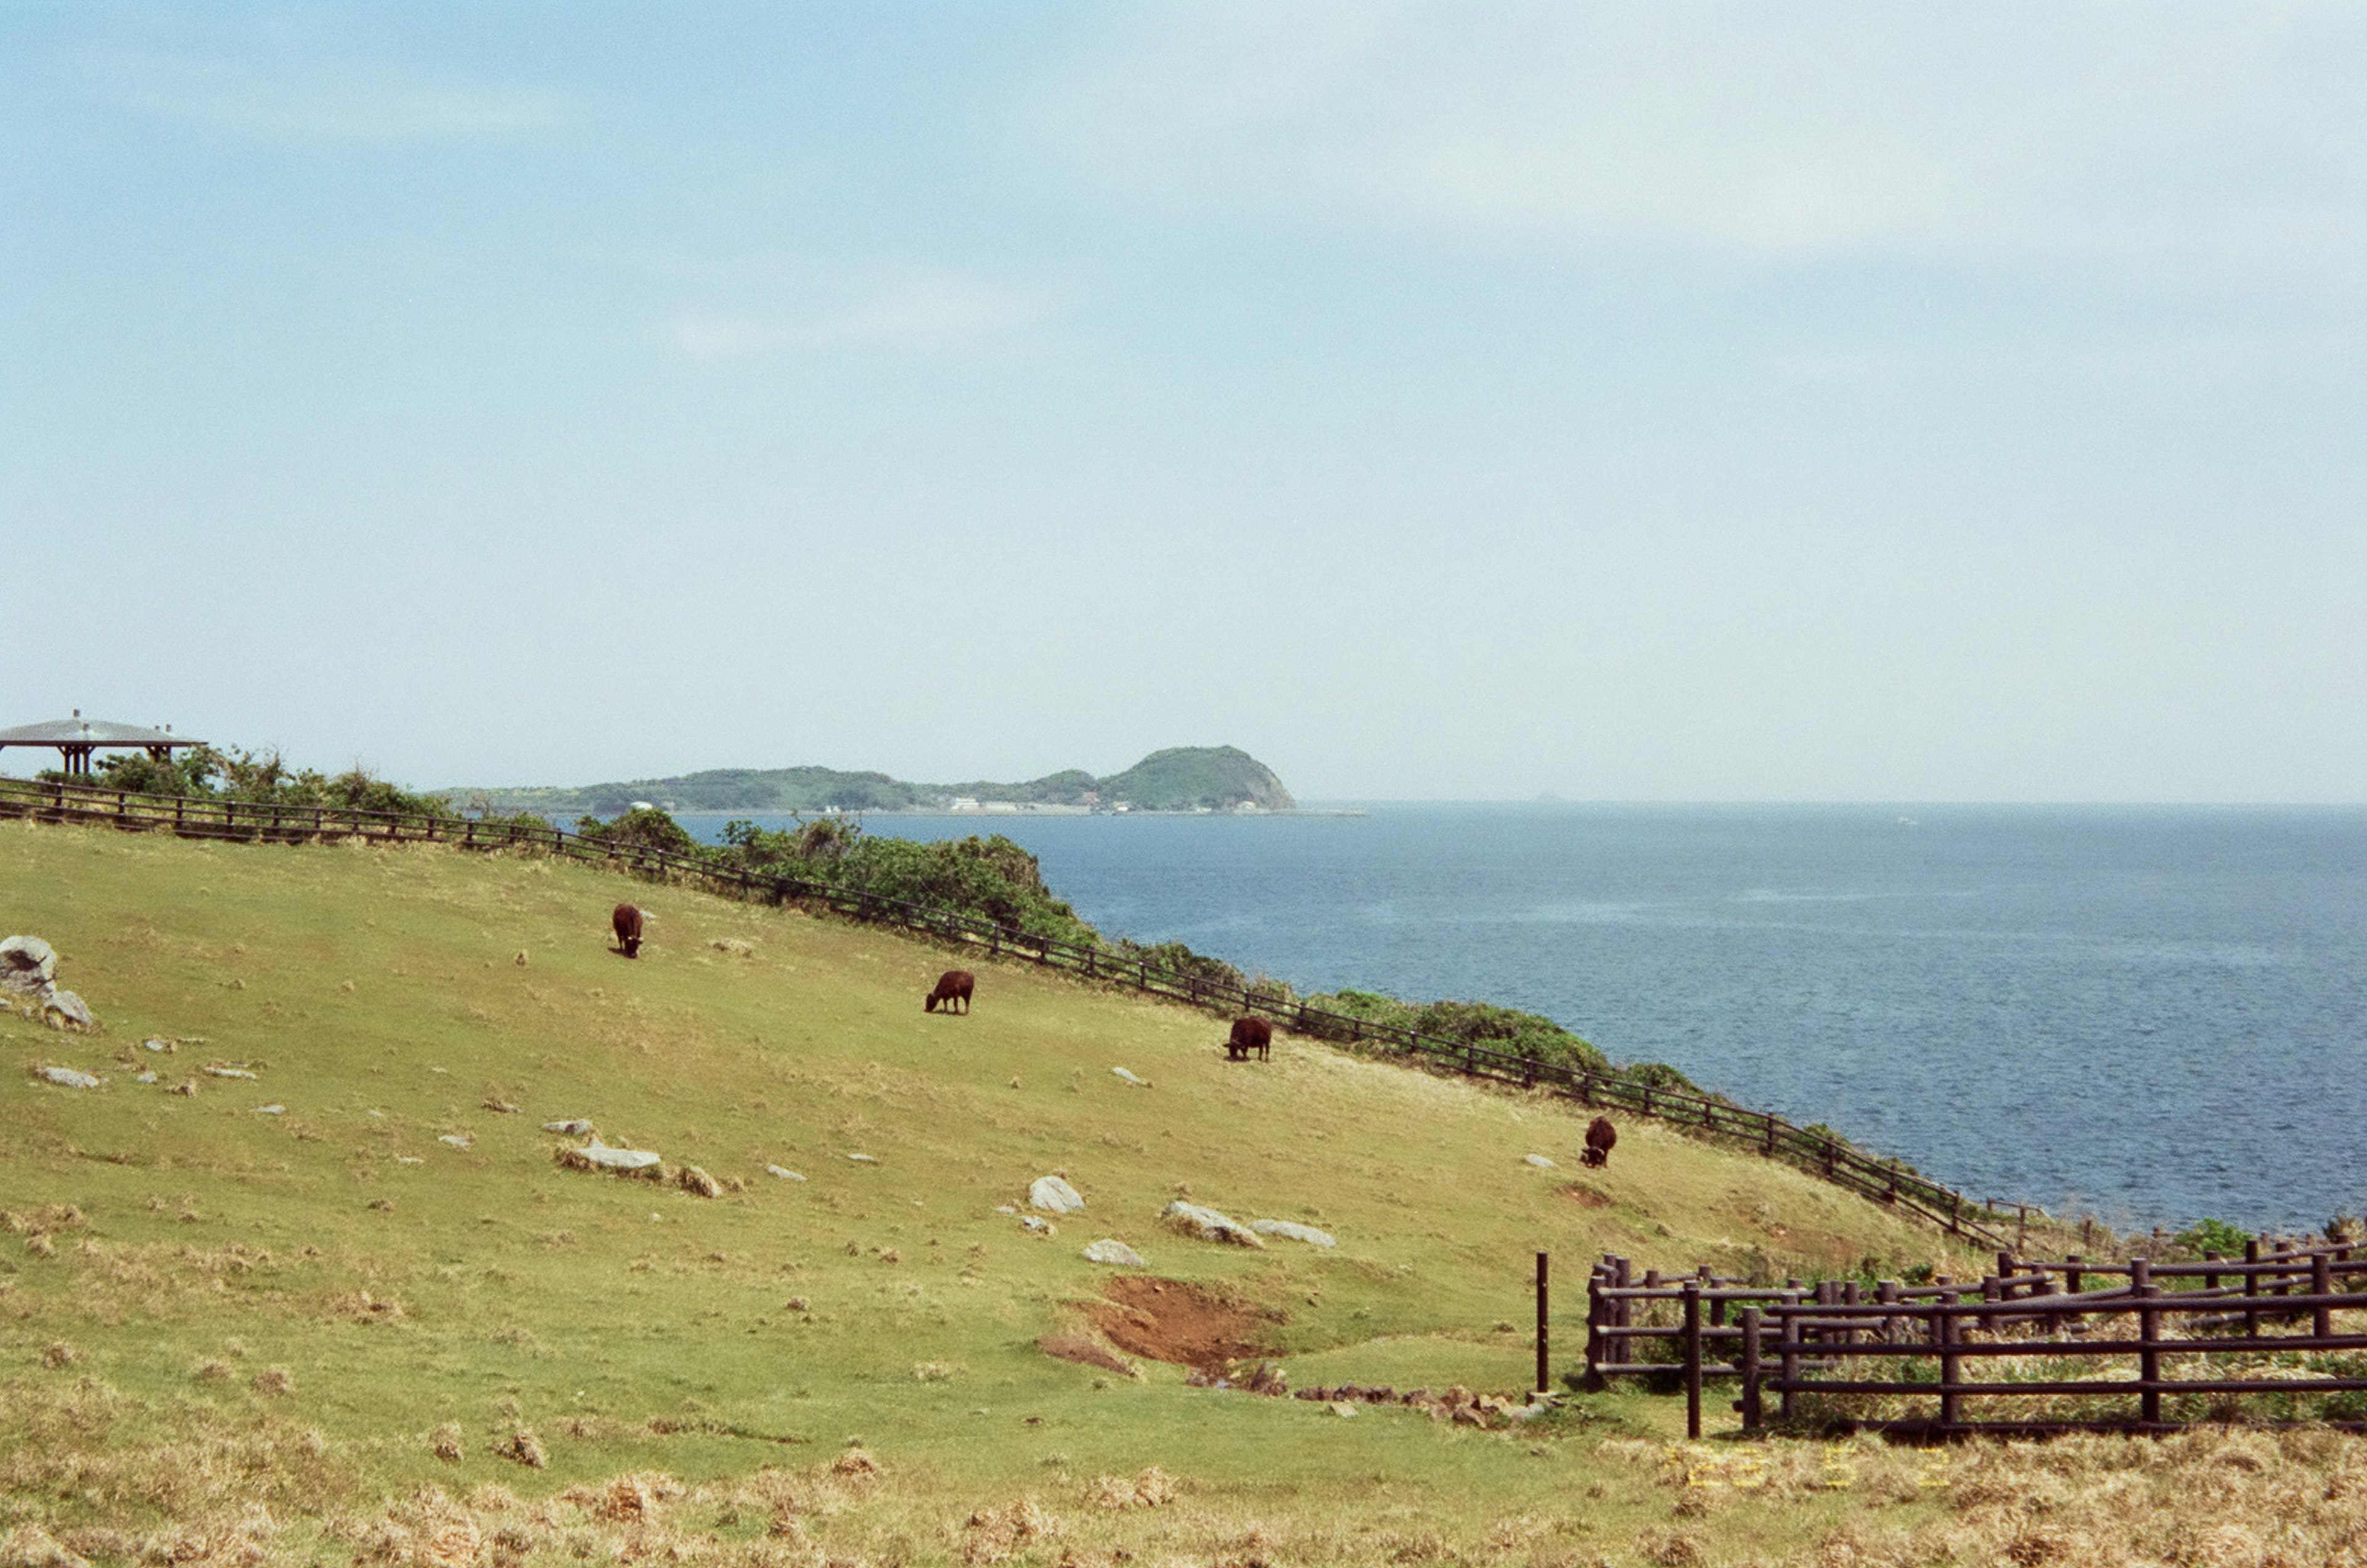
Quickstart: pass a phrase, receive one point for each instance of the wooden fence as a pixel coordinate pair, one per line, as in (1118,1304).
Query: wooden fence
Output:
(1885,1181)
(2205,1335)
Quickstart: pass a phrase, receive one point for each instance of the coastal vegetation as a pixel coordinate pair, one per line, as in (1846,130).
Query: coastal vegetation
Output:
(1183,778)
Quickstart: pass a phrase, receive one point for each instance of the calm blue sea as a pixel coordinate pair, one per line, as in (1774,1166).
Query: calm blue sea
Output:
(2156,1014)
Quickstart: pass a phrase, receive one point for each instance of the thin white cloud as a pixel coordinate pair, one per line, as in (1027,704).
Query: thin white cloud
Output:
(332,103)
(2193,138)
(921,312)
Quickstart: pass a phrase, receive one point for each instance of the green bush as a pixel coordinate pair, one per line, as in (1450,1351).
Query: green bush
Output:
(644,828)
(2213,1235)
(260,778)
(1493,1028)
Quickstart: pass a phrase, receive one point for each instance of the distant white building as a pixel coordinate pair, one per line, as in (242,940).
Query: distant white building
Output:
(964,802)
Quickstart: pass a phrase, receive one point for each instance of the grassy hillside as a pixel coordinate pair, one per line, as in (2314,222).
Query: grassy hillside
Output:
(234,1330)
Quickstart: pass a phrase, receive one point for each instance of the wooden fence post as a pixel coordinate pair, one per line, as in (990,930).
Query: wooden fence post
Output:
(1544,1386)
(1788,1315)
(1944,1336)
(2141,1285)
(1692,1358)
(2321,1285)
(2251,1286)
(1750,1412)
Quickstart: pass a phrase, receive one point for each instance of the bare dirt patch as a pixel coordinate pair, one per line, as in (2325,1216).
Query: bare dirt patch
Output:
(1586,1197)
(1085,1351)
(1176,1321)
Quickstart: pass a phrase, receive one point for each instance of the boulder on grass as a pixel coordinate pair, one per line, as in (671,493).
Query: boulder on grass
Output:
(645,1164)
(1055,1196)
(63,1009)
(1115,1253)
(1291,1230)
(1206,1224)
(27,963)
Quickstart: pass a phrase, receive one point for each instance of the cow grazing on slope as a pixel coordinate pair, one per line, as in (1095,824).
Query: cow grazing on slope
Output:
(1600,1136)
(1251,1036)
(627,923)
(953,985)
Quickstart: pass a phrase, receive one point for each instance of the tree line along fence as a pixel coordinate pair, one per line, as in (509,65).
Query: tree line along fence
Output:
(1885,1181)
(2130,1346)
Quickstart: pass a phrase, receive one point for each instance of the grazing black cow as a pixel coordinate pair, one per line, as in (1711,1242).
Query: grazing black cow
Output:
(628,921)
(953,985)
(1251,1036)
(1600,1136)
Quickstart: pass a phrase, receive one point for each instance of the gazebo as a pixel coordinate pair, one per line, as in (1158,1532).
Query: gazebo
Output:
(75,738)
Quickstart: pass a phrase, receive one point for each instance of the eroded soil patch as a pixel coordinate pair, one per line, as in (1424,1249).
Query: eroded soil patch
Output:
(1586,1197)
(1177,1321)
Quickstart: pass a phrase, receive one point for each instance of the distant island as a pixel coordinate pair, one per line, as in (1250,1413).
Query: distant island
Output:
(1182,778)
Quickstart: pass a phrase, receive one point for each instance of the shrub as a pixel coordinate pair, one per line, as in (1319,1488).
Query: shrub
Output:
(643,826)
(2213,1235)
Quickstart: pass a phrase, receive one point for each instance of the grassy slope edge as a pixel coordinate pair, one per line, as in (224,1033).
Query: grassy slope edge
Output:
(285,1310)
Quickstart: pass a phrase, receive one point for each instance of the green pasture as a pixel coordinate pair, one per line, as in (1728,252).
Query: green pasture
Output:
(406,1287)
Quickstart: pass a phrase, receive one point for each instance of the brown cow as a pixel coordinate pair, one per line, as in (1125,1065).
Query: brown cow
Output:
(1250,1035)
(1600,1136)
(628,921)
(953,985)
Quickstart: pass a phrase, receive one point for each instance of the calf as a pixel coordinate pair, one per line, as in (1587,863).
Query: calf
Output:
(1250,1035)
(953,985)
(628,921)
(1600,1136)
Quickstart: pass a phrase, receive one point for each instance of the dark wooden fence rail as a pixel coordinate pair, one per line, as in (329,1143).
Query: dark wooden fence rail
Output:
(1887,1181)
(1800,1338)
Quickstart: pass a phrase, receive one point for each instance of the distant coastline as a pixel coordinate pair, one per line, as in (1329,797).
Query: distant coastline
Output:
(1179,781)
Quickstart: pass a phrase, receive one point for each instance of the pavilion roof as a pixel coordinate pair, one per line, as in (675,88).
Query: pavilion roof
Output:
(81,731)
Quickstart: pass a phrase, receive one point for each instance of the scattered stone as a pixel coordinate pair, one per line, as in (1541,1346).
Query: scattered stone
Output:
(503,1106)
(1291,1230)
(271,1110)
(1054,1195)
(188,1088)
(784,1174)
(158,1045)
(68,1078)
(1539,1161)
(690,1179)
(574,1127)
(1129,1077)
(458,1140)
(1115,1253)
(143,1077)
(864,1159)
(228,1070)
(1039,1226)
(597,1156)
(1340,1409)
(409,1160)
(1207,1224)
(63,1009)
(27,963)
(1268,1378)
(734,946)
(1005,1209)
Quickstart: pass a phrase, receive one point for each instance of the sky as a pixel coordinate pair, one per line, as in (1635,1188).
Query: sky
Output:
(1441,401)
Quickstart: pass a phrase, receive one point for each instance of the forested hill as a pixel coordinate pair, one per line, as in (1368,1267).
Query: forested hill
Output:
(1182,778)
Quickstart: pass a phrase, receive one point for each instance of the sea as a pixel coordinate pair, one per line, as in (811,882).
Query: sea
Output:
(2151,1015)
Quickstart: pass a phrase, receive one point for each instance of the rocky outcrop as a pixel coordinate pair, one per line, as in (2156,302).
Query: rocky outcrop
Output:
(1207,1224)
(1291,1230)
(644,1164)
(1115,1253)
(1055,1196)
(27,963)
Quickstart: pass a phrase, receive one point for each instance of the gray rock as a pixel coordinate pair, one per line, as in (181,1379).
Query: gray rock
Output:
(63,1009)
(271,1110)
(600,1156)
(143,1077)
(1115,1253)
(1055,1196)
(1129,1077)
(1291,1230)
(458,1140)
(574,1127)
(784,1174)
(1539,1161)
(1206,1224)
(27,963)
(864,1159)
(67,1077)
(1039,1224)
(221,1070)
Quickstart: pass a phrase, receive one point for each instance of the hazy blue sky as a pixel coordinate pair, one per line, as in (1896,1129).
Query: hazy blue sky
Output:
(1650,402)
